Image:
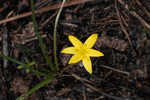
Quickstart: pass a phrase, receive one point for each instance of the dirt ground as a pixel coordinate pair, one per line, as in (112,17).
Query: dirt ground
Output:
(124,38)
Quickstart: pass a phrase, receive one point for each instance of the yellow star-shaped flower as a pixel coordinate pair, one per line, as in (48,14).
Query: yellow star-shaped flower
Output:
(83,51)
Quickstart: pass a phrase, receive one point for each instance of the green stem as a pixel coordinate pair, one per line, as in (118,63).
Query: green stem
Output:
(55,31)
(25,66)
(42,46)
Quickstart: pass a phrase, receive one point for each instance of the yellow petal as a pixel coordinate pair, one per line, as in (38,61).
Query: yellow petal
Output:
(75,59)
(77,43)
(94,53)
(87,64)
(91,41)
(69,50)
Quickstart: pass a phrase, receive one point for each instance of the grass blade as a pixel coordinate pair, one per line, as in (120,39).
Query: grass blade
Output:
(38,86)
(25,66)
(42,45)
(55,31)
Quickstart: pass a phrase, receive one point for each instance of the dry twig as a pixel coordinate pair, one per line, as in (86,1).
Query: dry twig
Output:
(116,70)
(143,8)
(5,45)
(121,24)
(133,13)
(86,83)
(45,9)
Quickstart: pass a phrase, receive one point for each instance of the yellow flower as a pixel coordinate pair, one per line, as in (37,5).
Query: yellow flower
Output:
(83,51)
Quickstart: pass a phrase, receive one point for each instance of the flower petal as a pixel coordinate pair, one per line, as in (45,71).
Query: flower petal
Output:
(77,43)
(87,64)
(94,53)
(91,41)
(69,50)
(75,58)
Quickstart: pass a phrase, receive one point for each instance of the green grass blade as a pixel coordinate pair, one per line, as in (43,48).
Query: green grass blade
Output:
(55,31)
(42,45)
(38,86)
(12,59)
(25,66)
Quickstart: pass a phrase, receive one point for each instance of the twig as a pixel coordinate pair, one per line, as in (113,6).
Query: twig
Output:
(3,70)
(105,94)
(5,45)
(123,19)
(86,83)
(133,13)
(48,20)
(42,4)
(143,8)
(116,70)
(80,78)
(45,9)
(121,24)
(31,39)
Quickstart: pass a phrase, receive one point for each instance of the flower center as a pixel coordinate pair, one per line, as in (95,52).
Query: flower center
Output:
(82,51)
